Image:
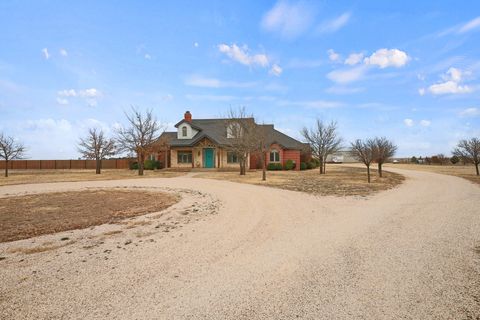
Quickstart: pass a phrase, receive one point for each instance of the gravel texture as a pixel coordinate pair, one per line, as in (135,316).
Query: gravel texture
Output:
(237,251)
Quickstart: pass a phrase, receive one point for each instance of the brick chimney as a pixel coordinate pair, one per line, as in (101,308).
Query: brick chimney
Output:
(187,116)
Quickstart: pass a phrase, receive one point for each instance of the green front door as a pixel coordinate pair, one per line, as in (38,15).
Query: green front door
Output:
(208,158)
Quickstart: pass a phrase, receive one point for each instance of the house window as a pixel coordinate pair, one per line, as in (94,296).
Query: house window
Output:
(274,156)
(184,131)
(184,157)
(232,157)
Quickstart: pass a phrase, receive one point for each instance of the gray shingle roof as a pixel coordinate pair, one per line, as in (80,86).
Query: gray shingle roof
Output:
(216,131)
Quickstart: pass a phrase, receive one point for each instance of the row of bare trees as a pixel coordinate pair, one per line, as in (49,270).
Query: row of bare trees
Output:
(138,137)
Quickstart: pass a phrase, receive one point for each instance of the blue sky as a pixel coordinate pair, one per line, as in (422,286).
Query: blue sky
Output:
(407,70)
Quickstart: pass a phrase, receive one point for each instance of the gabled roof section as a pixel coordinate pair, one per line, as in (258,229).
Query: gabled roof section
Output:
(216,131)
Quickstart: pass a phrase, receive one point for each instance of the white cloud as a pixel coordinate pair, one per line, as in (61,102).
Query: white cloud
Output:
(333,56)
(45,53)
(354,58)
(388,58)
(335,24)
(195,44)
(472,24)
(89,93)
(147,56)
(63,52)
(425,123)
(204,82)
(48,125)
(344,76)
(242,55)
(421,91)
(451,85)
(288,19)
(470,112)
(408,122)
(62,101)
(67,93)
(276,70)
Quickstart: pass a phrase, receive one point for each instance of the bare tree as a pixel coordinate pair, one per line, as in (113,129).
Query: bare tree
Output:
(363,151)
(96,146)
(10,150)
(323,140)
(469,151)
(241,136)
(383,149)
(263,139)
(140,136)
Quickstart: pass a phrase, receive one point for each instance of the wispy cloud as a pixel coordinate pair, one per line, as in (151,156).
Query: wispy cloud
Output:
(342,90)
(276,70)
(354,58)
(470,112)
(470,25)
(90,96)
(196,80)
(333,56)
(45,53)
(63,52)
(287,19)
(313,104)
(335,24)
(349,75)
(408,122)
(242,55)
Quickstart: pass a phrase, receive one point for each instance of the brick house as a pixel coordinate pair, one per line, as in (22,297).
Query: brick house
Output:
(203,143)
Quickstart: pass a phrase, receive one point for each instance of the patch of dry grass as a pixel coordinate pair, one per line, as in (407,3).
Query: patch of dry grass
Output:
(339,180)
(23,217)
(466,172)
(44,176)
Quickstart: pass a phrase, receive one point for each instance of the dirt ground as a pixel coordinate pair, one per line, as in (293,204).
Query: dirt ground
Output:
(467,172)
(410,252)
(45,176)
(340,180)
(27,216)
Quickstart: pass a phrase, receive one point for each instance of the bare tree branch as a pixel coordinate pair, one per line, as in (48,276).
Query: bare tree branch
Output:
(363,151)
(140,136)
(323,140)
(383,149)
(10,150)
(96,146)
(469,151)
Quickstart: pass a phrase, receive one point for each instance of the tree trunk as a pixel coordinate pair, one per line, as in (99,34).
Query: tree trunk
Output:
(6,169)
(140,164)
(476,167)
(321,166)
(380,169)
(325,166)
(98,167)
(368,173)
(264,168)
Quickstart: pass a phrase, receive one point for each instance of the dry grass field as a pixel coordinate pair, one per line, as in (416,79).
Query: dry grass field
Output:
(339,181)
(45,176)
(27,216)
(466,172)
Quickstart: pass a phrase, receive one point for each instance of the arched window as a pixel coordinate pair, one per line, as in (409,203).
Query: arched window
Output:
(274,156)
(184,131)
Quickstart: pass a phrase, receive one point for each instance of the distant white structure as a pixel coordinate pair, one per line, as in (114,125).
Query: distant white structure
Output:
(342,156)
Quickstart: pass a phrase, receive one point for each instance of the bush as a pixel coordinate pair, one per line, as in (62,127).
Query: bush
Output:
(310,165)
(147,165)
(303,166)
(274,166)
(151,164)
(289,165)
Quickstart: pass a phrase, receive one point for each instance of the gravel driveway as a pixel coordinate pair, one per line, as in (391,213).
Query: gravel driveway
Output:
(408,253)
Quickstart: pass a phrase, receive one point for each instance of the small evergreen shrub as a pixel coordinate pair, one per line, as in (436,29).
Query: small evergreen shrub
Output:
(134,166)
(289,165)
(151,164)
(303,166)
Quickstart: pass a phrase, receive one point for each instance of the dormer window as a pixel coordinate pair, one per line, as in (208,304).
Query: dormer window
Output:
(184,131)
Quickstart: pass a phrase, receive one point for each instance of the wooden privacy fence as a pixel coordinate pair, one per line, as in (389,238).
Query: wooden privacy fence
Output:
(65,164)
